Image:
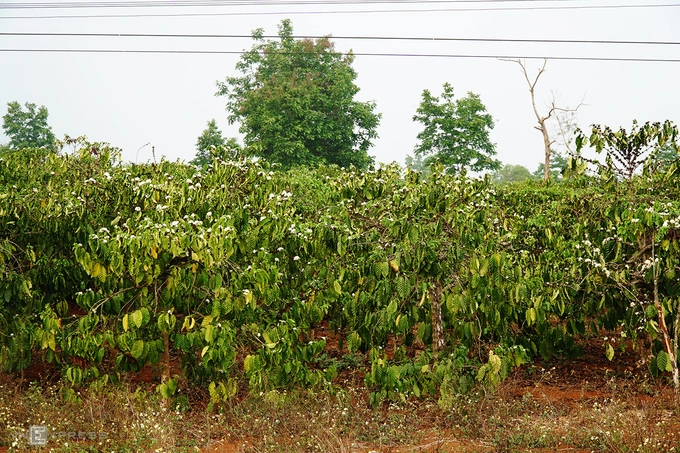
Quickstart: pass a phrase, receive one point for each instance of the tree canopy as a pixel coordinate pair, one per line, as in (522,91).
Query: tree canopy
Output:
(511,173)
(295,103)
(27,128)
(211,144)
(456,132)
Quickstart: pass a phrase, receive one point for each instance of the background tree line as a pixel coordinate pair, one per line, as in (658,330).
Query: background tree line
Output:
(294,100)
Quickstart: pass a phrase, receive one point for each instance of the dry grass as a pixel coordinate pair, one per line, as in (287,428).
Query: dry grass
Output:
(521,415)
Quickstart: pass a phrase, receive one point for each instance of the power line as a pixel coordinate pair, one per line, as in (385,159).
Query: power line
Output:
(364,54)
(213,3)
(362,11)
(363,38)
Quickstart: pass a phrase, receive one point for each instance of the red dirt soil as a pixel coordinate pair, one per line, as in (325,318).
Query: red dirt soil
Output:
(564,382)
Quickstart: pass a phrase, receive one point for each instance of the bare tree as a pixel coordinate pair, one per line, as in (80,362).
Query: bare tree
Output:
(542,120)
(565,128)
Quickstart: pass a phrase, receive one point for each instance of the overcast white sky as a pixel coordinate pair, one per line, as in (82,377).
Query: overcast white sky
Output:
(130,99)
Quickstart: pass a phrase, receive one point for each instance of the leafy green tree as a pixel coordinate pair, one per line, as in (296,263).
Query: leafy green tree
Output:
(295,103)
(29,128)
(557,162)
(212,144)
(511,173)
(416,163)
(455,132)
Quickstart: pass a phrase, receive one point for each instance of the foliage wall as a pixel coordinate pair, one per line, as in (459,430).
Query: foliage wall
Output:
(245,275)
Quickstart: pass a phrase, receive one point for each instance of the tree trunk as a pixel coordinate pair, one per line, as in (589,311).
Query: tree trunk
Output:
(671,351)
(546,144)
(166,365)
(676,378)
(438,340)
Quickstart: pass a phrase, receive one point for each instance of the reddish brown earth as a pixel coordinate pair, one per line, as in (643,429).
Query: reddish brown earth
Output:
(565,383)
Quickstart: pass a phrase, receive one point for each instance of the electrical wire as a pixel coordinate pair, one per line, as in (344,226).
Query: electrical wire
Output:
(213,3)
(339,12)
(358,38)
(364,54)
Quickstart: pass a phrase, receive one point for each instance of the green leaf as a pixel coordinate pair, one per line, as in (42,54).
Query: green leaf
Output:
(495,263)
(341,247)
(216,282)
(146,315)
(171,385)
(393,375)
(74,375)
(248,363)
(484,267)
(137,350)
(189,323)
(531,316)
(209,329)
(652,366)
(474,266)
(650,312)
(482,372)
(384,268)
(609,352)
(392,308)
(51,342)
(268,341)
(137,318)
(353,341)
(663,362)
(402,287)
(337,287)
(163,390)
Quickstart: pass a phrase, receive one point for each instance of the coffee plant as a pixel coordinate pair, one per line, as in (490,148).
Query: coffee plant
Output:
(240,276)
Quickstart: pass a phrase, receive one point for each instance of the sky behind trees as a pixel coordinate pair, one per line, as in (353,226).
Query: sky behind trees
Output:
(165,99)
